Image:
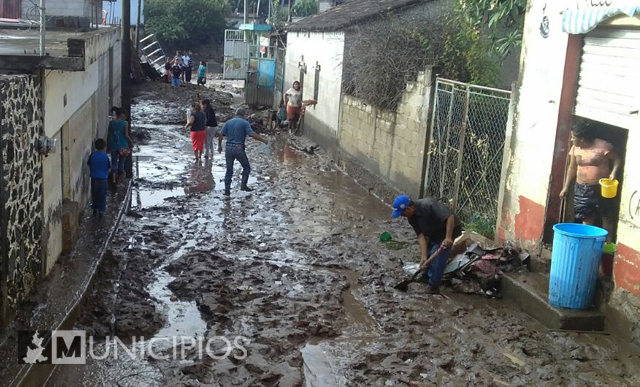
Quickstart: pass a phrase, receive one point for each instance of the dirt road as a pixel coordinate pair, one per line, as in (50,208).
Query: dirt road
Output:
(296,269)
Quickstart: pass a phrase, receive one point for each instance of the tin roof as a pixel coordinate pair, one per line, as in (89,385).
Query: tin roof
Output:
(349,14)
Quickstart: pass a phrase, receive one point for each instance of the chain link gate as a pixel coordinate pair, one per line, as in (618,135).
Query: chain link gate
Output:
(464,161)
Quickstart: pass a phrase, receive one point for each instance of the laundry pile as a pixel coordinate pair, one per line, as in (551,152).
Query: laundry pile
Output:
(478,270)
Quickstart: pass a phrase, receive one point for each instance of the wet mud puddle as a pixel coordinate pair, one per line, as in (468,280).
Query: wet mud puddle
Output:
(322,358)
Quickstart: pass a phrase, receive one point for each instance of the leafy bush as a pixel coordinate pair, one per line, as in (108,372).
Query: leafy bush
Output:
(186,23)
(304,8)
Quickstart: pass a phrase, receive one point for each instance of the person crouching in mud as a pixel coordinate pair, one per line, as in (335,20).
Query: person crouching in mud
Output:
(435,225)
(591,159)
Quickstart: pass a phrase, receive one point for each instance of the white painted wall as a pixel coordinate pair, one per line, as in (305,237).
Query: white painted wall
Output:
(81,8)
(86,113)
(327,50)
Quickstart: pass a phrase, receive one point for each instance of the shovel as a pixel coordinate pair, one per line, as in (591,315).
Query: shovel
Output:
(404,285)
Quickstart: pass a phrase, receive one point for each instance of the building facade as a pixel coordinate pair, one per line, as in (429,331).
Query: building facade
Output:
(64,97)
(579,62)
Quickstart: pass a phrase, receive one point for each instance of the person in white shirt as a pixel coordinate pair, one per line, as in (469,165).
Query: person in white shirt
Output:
(293,100)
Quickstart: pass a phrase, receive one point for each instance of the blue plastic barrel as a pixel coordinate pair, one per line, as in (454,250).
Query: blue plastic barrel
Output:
(575,260)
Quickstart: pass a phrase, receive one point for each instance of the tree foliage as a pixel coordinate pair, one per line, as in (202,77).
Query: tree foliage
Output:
(502,20)
(186,23)
(304,8)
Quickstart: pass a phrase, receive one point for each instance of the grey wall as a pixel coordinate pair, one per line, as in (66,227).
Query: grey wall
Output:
(21,189)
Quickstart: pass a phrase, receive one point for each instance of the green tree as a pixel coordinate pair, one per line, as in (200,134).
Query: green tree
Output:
(502,20)
(186,23)
(304,8)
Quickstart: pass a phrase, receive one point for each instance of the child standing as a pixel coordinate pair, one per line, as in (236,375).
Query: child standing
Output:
(202,73)
(99,166)
(176,71)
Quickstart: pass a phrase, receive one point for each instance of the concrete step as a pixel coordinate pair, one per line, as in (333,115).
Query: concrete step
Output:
(530,292)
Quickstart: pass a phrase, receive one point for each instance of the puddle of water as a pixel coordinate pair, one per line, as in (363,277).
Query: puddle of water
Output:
(145,198)
(318,368)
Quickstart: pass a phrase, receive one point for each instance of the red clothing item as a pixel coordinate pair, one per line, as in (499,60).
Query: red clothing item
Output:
(293,112)
(198,139)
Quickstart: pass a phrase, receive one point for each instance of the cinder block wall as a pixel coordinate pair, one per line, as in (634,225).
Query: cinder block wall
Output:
(78,8)
(21,189)
(390,144)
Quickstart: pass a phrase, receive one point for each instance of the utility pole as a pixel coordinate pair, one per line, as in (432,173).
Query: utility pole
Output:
(43,27)
(246,18)
(138,28)
(126,56)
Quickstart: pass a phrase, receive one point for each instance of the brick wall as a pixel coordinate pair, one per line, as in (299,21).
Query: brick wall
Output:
(390,144)
(21,189)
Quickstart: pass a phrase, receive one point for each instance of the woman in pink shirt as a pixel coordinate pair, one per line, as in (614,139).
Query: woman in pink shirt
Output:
(592,159)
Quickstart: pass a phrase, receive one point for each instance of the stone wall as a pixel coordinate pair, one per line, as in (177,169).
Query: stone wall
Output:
(21,192)
(390,144)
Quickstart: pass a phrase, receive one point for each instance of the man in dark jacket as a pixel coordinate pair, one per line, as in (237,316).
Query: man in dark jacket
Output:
(212,127)
(435,225)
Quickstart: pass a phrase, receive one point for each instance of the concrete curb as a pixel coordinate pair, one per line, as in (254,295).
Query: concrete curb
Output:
(38,376)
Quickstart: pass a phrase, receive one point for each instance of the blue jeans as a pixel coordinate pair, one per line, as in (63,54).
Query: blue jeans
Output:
(175,81)
(436,268)
(233,153)
(117,162)
(99,188)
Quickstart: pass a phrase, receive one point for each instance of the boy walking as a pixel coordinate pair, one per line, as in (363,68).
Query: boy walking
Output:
(99,166)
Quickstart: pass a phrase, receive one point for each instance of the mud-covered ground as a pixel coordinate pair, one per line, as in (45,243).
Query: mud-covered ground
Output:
(296,268)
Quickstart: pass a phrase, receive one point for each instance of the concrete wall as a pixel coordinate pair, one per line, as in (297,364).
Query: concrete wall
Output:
(79,8)
(529,166)
(325,50)
(76,113)
(390,144)
(537,99)
(21,189)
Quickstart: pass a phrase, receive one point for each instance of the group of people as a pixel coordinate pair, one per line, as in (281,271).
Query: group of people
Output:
(590,159)
(179,69)
(104,170)
(203,124)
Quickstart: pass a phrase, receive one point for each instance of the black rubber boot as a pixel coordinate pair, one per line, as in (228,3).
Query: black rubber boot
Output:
(227,189)
(244,186)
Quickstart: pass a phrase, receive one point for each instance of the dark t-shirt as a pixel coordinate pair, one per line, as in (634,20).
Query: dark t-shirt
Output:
(211,117)
(176,71)
(198,121)
(430,220)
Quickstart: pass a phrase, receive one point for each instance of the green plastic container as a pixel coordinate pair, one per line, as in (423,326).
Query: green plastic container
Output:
(386,237)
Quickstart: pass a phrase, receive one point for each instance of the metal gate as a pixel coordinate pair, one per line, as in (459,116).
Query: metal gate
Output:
(236,55)
(260,82)
(464,162)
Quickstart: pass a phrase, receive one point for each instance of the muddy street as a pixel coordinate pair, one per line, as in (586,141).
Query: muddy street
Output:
(293,275)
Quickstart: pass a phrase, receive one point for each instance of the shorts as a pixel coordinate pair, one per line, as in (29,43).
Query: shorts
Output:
(293,112)
(197,140)
(589,203)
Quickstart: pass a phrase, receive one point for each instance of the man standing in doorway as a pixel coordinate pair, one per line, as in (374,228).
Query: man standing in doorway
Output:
(236,130)
(435,225)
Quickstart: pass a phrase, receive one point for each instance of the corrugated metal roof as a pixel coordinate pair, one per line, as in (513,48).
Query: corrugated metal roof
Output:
(348,14)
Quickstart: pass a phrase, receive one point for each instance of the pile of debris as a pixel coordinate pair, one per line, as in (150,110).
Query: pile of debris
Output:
(478,269)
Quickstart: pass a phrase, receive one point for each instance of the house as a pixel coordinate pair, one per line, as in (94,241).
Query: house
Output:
(316,50)
(579,61)
(52,109)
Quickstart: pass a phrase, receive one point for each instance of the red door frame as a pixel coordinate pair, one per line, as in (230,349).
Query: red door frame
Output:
(563,134)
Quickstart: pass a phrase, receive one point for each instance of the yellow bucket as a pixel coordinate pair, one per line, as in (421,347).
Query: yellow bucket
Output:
(609,188)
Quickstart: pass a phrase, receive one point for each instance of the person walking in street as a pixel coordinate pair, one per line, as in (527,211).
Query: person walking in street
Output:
(435,225)
(119,144)
(196,123)
(176,71)
(591,159)
(99,166)
(212,127)
(293,100)
(202,73)
(236,130)
(186,67)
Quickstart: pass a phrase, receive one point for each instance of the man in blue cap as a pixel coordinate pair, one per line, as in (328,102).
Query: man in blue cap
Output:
(435,225)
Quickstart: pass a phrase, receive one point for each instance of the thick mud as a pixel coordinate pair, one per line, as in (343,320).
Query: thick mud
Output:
(297,270)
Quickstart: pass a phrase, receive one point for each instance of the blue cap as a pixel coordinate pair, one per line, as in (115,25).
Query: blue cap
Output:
(399,205)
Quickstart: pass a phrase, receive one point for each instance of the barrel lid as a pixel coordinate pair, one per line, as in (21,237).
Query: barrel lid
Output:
(580,230)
